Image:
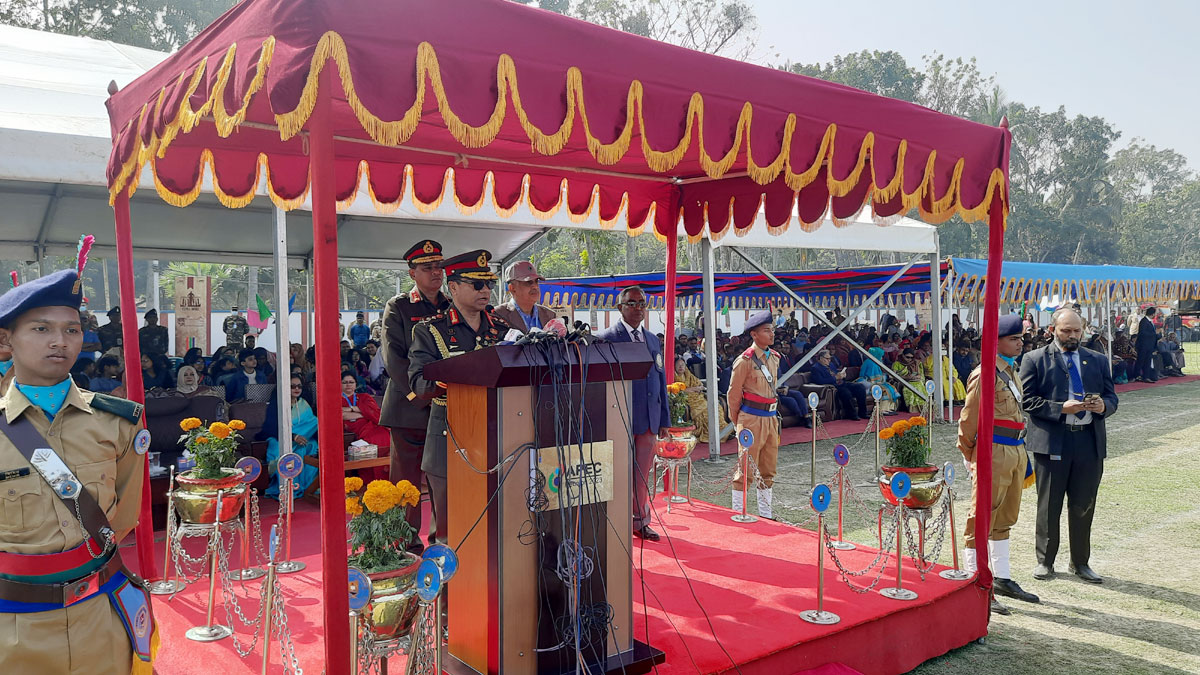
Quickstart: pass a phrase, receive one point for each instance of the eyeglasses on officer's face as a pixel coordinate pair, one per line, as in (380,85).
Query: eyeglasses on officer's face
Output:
(634,304)
(480,285)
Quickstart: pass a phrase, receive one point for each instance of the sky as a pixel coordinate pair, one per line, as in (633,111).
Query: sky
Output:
(1136,64)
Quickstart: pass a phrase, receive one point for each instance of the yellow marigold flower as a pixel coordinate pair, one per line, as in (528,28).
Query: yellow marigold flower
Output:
(901,426)
(886,433)
(202,440)
(409,495)
(219,429)
(353,484)
(380,496)
(918,421)
(237,425)
(189,423)
(353,506)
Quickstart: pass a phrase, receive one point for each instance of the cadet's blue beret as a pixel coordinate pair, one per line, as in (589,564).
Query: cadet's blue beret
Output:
(757,319)
(59,289)
(1010,324)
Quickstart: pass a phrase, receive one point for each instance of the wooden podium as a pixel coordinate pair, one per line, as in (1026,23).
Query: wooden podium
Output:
(509,609)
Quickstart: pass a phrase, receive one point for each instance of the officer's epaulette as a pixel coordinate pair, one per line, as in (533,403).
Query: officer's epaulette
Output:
(748,353)
(120,407)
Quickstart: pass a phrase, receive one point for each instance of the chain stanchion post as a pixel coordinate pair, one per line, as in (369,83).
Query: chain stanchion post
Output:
(841,455)
(901,485)
(877,394)
(360,594)
(251,469)
(745,440)
(956,574)
(813,402)
(210,632)
(268,602)
(819,498)
(167,585)
(289,467)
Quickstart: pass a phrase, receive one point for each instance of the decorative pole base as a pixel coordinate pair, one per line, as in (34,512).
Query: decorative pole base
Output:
(843,545)
(289,566)
(818,617)
(208,633)
(248,574)
(166,587)
(955,575)
(743,518)
(898,594)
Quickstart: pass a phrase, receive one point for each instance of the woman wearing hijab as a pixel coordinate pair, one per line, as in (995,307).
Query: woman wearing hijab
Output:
(871,374)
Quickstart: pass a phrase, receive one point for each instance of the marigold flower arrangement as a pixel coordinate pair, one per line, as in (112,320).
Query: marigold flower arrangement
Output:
(211,447)
(677,404)
(907,442)
(379,532)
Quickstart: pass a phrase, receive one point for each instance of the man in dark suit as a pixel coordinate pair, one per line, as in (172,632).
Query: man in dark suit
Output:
(1147,343)
(649,416)
(1068,395)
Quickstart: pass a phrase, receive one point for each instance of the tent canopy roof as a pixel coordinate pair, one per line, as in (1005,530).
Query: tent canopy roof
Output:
(1057,284)
(556,111)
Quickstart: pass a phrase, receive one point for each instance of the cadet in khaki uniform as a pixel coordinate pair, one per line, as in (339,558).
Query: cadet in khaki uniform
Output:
(60,587)
(1009,460)
(752,403)
(464,326)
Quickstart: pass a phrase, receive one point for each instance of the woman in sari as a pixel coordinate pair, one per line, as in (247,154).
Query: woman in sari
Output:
(871,374)
(304,438)
(697,403)
(908,367)
(360,416)
(952,384)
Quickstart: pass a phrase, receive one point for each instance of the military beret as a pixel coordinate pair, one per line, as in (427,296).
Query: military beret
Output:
(58,289)
(757,319)
(1010,324)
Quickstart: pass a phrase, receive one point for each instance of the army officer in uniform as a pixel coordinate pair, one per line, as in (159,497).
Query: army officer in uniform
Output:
(752,404)
(67,604)
(464,326)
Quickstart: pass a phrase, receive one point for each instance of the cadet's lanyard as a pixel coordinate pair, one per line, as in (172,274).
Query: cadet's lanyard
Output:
(761,366)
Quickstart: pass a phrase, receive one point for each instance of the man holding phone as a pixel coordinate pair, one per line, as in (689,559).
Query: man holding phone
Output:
(1068,395)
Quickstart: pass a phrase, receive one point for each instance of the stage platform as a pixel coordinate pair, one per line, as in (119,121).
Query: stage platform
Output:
(721,597)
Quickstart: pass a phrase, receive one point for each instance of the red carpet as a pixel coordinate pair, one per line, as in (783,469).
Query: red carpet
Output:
(1162,382)
(752,580)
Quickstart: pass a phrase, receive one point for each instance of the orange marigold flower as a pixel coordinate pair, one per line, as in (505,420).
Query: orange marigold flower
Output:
(901,426)
(237,425)
(189,423)
(409,495)
(219,429)
(918,421)
(886,433)
(380,496)
(353,484)
(353,506)
(203,440)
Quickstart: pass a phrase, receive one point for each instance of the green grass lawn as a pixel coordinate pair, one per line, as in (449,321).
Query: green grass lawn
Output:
(1191,351)
(1145,618)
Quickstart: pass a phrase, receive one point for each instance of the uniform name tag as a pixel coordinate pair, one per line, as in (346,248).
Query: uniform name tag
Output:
(13,473)
(56,473)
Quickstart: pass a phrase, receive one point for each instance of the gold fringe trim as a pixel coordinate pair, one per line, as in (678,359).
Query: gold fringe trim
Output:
(331,46)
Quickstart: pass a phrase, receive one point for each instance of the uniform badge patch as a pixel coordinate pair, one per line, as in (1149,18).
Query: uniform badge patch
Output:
(141,442)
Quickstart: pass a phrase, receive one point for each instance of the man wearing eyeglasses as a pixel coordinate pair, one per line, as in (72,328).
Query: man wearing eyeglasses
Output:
(408,418)
(522,311)
(649,414)
(464,326)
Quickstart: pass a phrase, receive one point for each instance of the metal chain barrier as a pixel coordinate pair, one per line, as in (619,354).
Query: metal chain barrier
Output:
(287,648)
(229,597)
(925,564)
(879,561)
(182,559)
(424,643)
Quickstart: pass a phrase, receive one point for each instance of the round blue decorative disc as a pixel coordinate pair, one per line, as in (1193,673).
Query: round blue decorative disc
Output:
(429,580)
(360,588)
(876,392)
(445,557)
(290,465)
(251,467)
(813,400)
(929,386)
(841,454)
(901,485)
(745,438)
(819,497)
(948,472)
(68,489)
(141,442)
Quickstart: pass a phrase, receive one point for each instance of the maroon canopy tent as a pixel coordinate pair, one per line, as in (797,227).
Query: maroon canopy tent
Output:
(488,99)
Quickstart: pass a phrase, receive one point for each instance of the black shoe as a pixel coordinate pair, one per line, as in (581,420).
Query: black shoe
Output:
(1084,572)
(856,418)
(1010,589)
(1044,572)
(997,608)
(646,533)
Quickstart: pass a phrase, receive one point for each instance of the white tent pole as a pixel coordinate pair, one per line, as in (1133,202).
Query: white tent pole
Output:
(935,310)
(283,352)
(710,350)
(951,307)
(1108,322)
